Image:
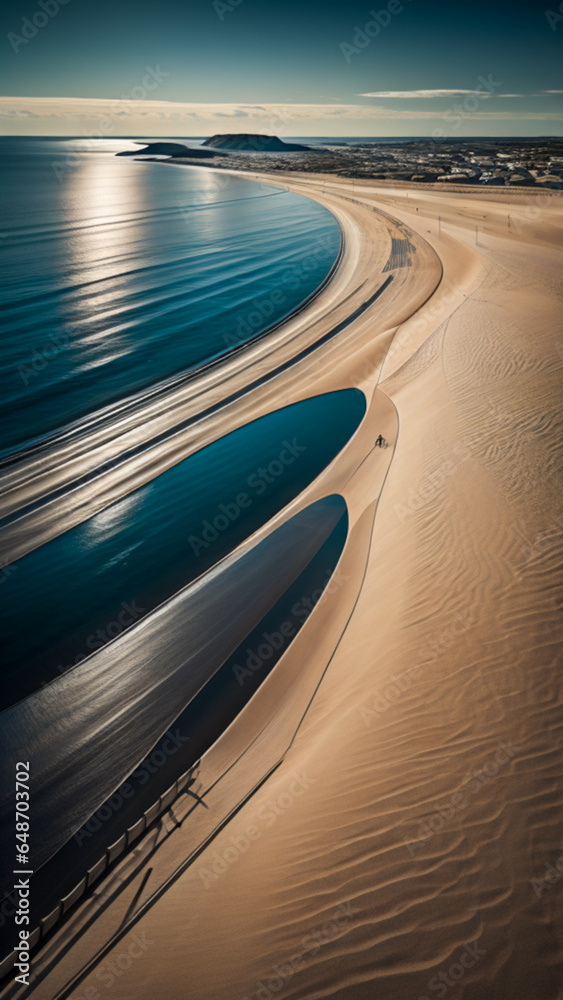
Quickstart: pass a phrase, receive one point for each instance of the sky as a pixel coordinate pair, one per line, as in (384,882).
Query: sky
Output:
(291,68)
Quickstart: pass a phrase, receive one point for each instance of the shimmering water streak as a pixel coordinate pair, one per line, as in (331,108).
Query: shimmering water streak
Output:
(118,274)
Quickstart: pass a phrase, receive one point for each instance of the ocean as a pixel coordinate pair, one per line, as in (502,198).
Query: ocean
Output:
(120,274)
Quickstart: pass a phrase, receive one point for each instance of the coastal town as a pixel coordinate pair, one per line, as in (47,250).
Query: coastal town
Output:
(484,162)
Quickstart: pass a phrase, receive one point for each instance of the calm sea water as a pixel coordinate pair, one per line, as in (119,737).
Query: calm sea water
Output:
(103,722)
(91,582)
(118,274)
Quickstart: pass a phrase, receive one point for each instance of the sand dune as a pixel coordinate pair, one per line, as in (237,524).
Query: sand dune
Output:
(401,846)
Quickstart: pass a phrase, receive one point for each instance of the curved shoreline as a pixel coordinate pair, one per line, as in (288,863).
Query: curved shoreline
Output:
(122,404)
(314,541)
(274,352)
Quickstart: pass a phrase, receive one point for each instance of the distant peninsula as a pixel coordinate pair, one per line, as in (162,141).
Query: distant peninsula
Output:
(254,142)
(168,149)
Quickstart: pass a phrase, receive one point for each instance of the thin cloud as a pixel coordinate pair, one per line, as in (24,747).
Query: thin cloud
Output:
(417,93)
(93,111)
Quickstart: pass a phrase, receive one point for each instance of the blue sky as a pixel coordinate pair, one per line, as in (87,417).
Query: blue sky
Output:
(296,68)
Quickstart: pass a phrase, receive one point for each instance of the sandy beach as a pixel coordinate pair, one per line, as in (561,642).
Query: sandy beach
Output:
(385,816)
